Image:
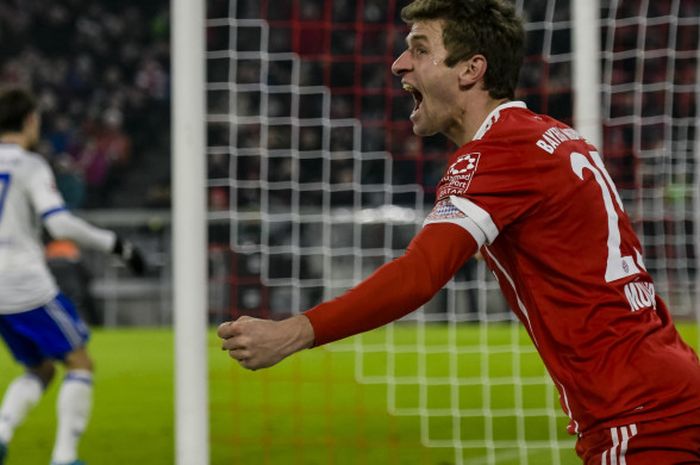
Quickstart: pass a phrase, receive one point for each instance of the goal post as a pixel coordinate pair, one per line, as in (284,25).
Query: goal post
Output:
(696,199)
(586,70)
(189,233)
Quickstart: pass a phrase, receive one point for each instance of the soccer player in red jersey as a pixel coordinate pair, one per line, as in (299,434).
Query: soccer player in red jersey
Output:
(534,198)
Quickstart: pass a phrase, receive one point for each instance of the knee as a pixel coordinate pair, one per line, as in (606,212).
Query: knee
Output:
(79,360)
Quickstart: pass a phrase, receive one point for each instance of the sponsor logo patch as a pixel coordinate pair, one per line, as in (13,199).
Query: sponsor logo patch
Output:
(444,210)
(459,175)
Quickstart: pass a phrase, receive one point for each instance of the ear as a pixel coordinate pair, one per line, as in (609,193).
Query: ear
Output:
(472,70)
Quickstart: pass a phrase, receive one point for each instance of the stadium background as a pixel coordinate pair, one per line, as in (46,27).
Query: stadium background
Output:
(298,192)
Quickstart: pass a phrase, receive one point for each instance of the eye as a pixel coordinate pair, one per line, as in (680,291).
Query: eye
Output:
(420,51)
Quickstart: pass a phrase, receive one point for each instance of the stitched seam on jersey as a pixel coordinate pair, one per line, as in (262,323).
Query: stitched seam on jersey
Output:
(568,407)
(481,217)
(521,305)
(523,309)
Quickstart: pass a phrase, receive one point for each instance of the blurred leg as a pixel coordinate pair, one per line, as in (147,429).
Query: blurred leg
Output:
(22,394)
(73,406)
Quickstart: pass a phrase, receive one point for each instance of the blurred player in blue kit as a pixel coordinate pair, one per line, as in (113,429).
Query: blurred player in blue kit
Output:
(37,322)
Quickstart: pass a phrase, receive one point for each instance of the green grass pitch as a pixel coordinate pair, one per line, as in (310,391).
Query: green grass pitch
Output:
(308,410)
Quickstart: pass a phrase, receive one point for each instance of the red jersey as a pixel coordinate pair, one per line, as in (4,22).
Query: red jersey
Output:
(553,230)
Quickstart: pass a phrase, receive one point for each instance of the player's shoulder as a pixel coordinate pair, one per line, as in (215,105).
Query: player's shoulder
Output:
(34,163)
(514,123)
(17,154)
(35,158)
(504,135)
(523,134)
(23,165)
(15,159)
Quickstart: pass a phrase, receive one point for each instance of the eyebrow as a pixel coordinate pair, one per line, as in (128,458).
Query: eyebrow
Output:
(416,38)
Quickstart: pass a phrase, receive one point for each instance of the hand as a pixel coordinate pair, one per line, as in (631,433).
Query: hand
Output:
(257,343)
(130,255)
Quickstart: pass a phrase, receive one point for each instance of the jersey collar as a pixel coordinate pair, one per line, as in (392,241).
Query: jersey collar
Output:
(494,115)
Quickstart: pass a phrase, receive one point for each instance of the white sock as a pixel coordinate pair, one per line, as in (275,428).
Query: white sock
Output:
(21,395)
(73,408)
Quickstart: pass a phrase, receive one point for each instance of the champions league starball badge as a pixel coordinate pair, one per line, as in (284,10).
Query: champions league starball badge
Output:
(464,164)
(459,175)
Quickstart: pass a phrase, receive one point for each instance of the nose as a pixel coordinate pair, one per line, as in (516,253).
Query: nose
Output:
(402,64)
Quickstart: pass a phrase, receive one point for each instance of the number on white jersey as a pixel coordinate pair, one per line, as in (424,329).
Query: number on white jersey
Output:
(4,187)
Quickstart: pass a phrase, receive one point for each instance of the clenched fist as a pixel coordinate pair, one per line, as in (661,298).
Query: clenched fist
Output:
(257,343)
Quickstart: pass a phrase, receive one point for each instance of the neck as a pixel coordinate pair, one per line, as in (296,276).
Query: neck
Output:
(14,138)
(473,116)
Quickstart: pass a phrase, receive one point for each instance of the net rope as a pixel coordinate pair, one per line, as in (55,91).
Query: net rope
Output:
(315,180)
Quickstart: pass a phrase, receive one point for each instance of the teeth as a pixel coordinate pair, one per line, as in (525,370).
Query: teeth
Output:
(408,87)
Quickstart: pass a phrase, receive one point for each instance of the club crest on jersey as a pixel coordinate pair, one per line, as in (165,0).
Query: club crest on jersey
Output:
(459,175)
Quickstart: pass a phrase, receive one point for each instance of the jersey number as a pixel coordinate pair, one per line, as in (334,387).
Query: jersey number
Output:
(4,187)
(617,266)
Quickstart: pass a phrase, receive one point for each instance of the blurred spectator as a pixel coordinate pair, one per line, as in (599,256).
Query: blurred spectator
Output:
(152,79)
(218,198)
(61,135)
(104,157)
(69,180)
(101,71)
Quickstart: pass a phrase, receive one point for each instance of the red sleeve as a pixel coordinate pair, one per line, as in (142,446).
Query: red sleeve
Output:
(397,287)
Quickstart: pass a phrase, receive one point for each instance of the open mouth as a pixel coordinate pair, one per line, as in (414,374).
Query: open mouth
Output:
(417,96)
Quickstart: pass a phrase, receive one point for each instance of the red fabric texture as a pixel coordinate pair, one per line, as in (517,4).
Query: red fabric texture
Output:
(668,441)
(606,339)
(397,287)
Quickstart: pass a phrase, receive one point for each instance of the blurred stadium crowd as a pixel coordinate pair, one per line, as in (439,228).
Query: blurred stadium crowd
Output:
(101,72)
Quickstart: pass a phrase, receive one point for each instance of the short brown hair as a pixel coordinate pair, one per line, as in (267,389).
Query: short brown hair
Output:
(15,105)
(487,27)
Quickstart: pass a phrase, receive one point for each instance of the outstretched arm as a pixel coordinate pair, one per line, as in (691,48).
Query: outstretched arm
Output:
(64,225)
(392,291)
(61,224)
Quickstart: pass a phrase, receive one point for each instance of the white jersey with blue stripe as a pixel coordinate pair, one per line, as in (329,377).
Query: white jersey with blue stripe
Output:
(28,194)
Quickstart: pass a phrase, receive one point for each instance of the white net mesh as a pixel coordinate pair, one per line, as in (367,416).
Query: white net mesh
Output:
(650,91)
(315,180)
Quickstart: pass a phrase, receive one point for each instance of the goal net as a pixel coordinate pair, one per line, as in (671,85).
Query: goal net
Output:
(315,179)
